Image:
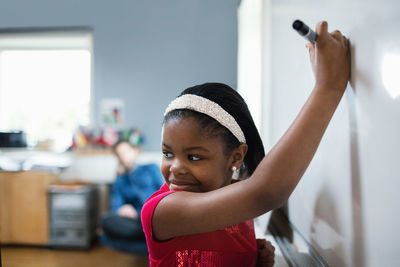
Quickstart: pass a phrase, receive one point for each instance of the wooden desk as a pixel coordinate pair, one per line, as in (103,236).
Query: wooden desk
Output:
(24,211)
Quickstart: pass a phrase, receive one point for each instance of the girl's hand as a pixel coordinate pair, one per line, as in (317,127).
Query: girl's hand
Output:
(330,58)
(266,254)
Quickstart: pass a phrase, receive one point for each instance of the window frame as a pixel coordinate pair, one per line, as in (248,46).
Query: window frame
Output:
(53,38)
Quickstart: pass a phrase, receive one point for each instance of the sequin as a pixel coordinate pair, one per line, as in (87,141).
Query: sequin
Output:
(235,229)
(197,258)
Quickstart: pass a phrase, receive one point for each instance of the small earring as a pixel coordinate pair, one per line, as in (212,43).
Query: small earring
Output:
(235,174)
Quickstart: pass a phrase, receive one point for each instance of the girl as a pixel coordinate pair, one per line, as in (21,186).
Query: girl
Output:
(200,217)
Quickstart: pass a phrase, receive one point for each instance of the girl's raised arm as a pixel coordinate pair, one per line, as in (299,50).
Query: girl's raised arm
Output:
(289,158)
(279,172)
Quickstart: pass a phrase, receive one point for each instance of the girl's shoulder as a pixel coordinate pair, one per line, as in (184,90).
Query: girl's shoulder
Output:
(156,197)
(149,206)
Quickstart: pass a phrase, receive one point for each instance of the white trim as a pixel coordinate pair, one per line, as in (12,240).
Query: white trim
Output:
(210,108)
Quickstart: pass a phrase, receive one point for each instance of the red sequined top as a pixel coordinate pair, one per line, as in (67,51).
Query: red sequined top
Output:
(231,246)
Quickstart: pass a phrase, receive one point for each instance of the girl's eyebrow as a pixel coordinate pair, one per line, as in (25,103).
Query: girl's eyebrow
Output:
(189,148)
(196,148)
(167,146)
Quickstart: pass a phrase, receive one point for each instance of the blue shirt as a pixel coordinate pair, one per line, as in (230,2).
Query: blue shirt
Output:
(136,187)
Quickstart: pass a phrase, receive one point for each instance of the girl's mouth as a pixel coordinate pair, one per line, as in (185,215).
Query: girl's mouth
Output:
(179,187)
(176,185)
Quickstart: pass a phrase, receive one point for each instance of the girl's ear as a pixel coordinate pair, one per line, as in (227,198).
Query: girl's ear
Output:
(238,155)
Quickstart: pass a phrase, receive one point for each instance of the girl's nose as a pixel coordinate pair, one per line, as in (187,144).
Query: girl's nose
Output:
(177,167)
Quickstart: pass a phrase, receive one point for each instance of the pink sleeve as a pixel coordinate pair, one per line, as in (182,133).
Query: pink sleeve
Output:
(147,213)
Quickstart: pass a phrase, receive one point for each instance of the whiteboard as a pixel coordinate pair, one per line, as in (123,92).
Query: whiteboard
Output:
(347,204)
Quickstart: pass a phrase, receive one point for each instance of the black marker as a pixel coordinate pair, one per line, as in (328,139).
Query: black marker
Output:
(305,31)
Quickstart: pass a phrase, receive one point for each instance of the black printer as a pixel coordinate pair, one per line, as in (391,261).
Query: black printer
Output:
(13,139)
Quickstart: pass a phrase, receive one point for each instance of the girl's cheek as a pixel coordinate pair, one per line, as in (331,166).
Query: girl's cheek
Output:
(165,172)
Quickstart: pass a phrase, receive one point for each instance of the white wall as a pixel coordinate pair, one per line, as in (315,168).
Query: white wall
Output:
(346,205)
(250,25)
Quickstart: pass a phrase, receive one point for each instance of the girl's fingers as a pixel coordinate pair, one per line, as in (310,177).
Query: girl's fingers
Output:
(346,41)
(337,35)
(261,243)
(311,50)
(272,248)
(322,31)
(263,253)
(309,46)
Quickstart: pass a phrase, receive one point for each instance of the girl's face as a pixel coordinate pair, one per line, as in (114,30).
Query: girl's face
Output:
(193,161)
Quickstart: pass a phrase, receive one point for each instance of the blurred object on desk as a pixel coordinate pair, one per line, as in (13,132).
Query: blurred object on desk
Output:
(12,139)
(23,159)
(106,137)
(95,166)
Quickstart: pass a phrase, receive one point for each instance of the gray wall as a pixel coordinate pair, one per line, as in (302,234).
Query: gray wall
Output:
(145,51)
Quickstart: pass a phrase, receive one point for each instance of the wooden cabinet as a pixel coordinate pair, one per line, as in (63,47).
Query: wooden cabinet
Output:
(24,211)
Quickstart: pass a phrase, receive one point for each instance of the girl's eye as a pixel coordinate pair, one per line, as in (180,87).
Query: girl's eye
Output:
(167,155)
(193,158)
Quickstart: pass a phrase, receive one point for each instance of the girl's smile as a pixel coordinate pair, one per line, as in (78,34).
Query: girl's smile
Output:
(193,160)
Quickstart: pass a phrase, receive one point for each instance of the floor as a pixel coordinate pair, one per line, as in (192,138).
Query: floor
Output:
(98,256)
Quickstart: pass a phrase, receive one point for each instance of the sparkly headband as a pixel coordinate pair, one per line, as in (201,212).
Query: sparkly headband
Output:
(210,108)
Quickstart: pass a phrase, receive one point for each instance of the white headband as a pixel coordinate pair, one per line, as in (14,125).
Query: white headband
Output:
(210,108)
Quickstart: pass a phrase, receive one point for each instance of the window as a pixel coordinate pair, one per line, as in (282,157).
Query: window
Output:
(45,84)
